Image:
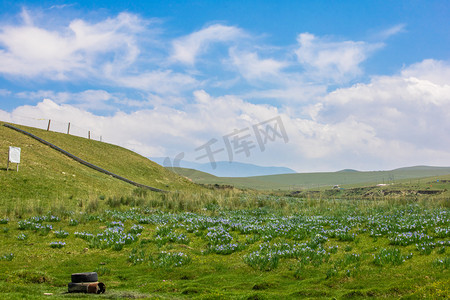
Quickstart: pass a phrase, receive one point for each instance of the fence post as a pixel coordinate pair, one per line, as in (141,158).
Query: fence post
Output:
(89,134)
(68,128)
(48,127)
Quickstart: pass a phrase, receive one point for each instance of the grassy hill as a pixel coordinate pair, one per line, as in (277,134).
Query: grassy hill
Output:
(45,175)
(316,180)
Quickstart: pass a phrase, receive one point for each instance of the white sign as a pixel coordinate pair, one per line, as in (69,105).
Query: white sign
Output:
(14,155)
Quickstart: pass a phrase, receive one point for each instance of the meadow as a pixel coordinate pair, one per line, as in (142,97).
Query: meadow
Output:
(232,244)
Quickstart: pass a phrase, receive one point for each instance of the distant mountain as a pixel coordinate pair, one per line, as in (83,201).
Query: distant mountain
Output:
(230,169)
(348,170)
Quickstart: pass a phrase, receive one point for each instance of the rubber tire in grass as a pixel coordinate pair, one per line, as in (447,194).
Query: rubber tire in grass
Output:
(84,277)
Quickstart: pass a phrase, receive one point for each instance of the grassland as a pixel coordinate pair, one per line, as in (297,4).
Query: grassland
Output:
(207,243)
(321,249)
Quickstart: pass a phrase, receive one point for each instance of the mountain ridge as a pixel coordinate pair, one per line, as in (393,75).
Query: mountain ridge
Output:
(229,169)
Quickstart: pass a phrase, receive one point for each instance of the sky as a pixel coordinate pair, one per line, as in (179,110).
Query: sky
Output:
(310,85)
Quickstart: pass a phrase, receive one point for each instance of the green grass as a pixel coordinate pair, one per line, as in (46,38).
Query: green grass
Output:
(299,254)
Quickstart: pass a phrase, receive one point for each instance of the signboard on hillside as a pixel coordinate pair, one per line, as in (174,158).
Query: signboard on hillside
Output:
(14,155)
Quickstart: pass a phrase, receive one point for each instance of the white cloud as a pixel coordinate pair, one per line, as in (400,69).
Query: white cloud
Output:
(338,61)
(5,116)
(435,71)
(160,81)
(331,140)
(88,99)
(26,18)
(400,108)
(252,67)
(187,48)
(274,79)
(107,52)
(29,50)
(394,30)
(291,95)
(61,6)
(96,100)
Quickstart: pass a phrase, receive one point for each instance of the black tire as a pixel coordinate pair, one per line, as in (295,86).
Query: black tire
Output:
(84,277)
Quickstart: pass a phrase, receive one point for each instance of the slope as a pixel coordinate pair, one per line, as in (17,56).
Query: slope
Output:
(45,174)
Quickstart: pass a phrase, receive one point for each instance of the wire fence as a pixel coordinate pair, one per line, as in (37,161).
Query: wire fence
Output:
(57,126)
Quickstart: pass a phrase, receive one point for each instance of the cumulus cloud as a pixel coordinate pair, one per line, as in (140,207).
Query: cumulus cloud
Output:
(187,48)
(293,95)
(435,71)
(274,79)
(338,61)
(108,53)
(79,49)
(5,116)
(252,67)
(402,109)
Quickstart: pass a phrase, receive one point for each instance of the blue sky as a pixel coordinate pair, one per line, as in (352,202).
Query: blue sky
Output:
(353,84)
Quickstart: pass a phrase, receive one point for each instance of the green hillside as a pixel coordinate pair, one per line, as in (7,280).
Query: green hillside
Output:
(316,180)
(46,175)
